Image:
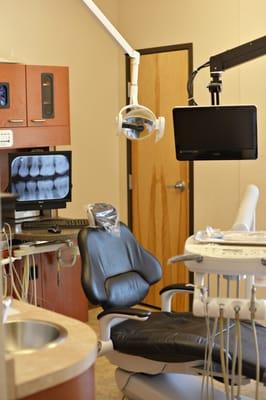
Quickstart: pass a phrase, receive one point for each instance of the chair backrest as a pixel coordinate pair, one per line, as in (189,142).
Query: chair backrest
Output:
(116,270)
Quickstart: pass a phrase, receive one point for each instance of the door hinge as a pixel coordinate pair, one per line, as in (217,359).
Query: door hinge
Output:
(130,186)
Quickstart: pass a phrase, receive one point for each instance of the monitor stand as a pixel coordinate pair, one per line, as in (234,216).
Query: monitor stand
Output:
(27,214)
(34,214)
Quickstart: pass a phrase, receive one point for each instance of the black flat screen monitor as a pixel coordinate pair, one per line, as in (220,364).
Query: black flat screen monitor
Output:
(215,132)
(40,180)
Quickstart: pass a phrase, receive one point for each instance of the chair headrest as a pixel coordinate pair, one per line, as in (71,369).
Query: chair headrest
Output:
(103,215)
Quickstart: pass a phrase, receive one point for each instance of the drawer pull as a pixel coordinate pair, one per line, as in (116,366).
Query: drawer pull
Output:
(16,121)
(38,120)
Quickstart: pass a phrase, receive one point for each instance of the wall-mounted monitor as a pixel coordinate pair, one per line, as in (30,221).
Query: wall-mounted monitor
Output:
(40,180)
(215,132)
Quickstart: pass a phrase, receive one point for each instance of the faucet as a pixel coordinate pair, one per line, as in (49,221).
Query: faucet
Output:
(6,306)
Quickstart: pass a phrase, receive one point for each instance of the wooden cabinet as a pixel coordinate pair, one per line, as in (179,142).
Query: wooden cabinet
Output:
(80,388)
(47,96)
(34,104)
(58,289)
(61,288)
(12,95)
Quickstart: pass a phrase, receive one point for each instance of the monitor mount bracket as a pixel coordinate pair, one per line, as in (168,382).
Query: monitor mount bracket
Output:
(231,58)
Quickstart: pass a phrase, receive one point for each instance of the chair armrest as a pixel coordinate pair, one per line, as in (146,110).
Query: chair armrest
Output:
(109,318)
(127,312)
(169,291)
(185,257)
(178,287)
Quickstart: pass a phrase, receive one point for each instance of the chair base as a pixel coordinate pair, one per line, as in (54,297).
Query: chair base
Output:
(163,386)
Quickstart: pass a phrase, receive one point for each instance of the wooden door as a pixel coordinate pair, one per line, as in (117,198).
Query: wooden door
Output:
(160,212)
(47,95)
(12,95)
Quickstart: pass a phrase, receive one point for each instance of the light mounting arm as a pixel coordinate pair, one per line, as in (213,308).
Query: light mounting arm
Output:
(135,121)
(133,54)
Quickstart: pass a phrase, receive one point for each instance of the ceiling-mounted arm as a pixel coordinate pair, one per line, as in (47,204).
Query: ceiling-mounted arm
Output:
(231,58)
(238,55)
(133,54)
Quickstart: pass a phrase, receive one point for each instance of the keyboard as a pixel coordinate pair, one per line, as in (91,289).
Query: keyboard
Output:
(45,224)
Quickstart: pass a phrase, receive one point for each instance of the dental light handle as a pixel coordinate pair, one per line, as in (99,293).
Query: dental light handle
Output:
(135,55)
(134,73)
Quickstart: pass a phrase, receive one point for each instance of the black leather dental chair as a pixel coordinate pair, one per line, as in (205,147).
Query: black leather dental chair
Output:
(159,355)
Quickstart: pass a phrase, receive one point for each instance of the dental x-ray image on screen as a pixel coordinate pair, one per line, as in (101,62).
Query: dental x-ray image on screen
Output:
(41,177)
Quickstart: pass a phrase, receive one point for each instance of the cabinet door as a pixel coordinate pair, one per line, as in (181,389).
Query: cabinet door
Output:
(61,288)
(47,95)
(12,95)
(82,387)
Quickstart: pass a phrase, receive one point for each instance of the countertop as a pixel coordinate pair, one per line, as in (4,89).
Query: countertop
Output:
(48,367)
(34,235)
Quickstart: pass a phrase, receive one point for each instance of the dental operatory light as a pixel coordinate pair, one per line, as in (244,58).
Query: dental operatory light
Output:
(135,121)
(139,122)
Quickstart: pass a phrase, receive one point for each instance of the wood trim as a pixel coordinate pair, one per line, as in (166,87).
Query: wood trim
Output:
(164,49)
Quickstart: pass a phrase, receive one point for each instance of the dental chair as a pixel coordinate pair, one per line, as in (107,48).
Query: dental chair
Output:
(159,355)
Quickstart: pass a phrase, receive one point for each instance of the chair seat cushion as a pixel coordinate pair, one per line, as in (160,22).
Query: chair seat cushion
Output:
(181,337)
(164,336)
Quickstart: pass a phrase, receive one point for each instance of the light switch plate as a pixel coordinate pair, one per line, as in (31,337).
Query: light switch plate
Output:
(6,138)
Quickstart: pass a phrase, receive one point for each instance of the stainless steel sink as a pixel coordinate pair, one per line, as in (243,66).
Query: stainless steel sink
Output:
(25,336)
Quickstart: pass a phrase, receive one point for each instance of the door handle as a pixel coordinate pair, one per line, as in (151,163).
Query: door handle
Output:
(38,120)
(179,185)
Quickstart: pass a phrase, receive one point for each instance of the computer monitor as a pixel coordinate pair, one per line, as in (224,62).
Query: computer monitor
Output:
(40,180)
(215,132)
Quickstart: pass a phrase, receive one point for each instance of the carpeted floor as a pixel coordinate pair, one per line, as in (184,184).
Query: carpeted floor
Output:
(105,382)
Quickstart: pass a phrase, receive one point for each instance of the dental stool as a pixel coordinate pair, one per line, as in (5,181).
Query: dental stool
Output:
(159,355)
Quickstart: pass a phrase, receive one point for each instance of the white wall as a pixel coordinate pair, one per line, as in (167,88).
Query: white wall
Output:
(212,28)
(64,32)
(253,90)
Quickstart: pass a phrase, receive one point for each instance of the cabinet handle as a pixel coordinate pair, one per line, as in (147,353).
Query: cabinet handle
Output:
(38,120)
(16,121)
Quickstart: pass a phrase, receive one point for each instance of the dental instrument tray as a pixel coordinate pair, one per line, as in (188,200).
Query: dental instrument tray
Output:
(232,262)
(254,238)
(228,256)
